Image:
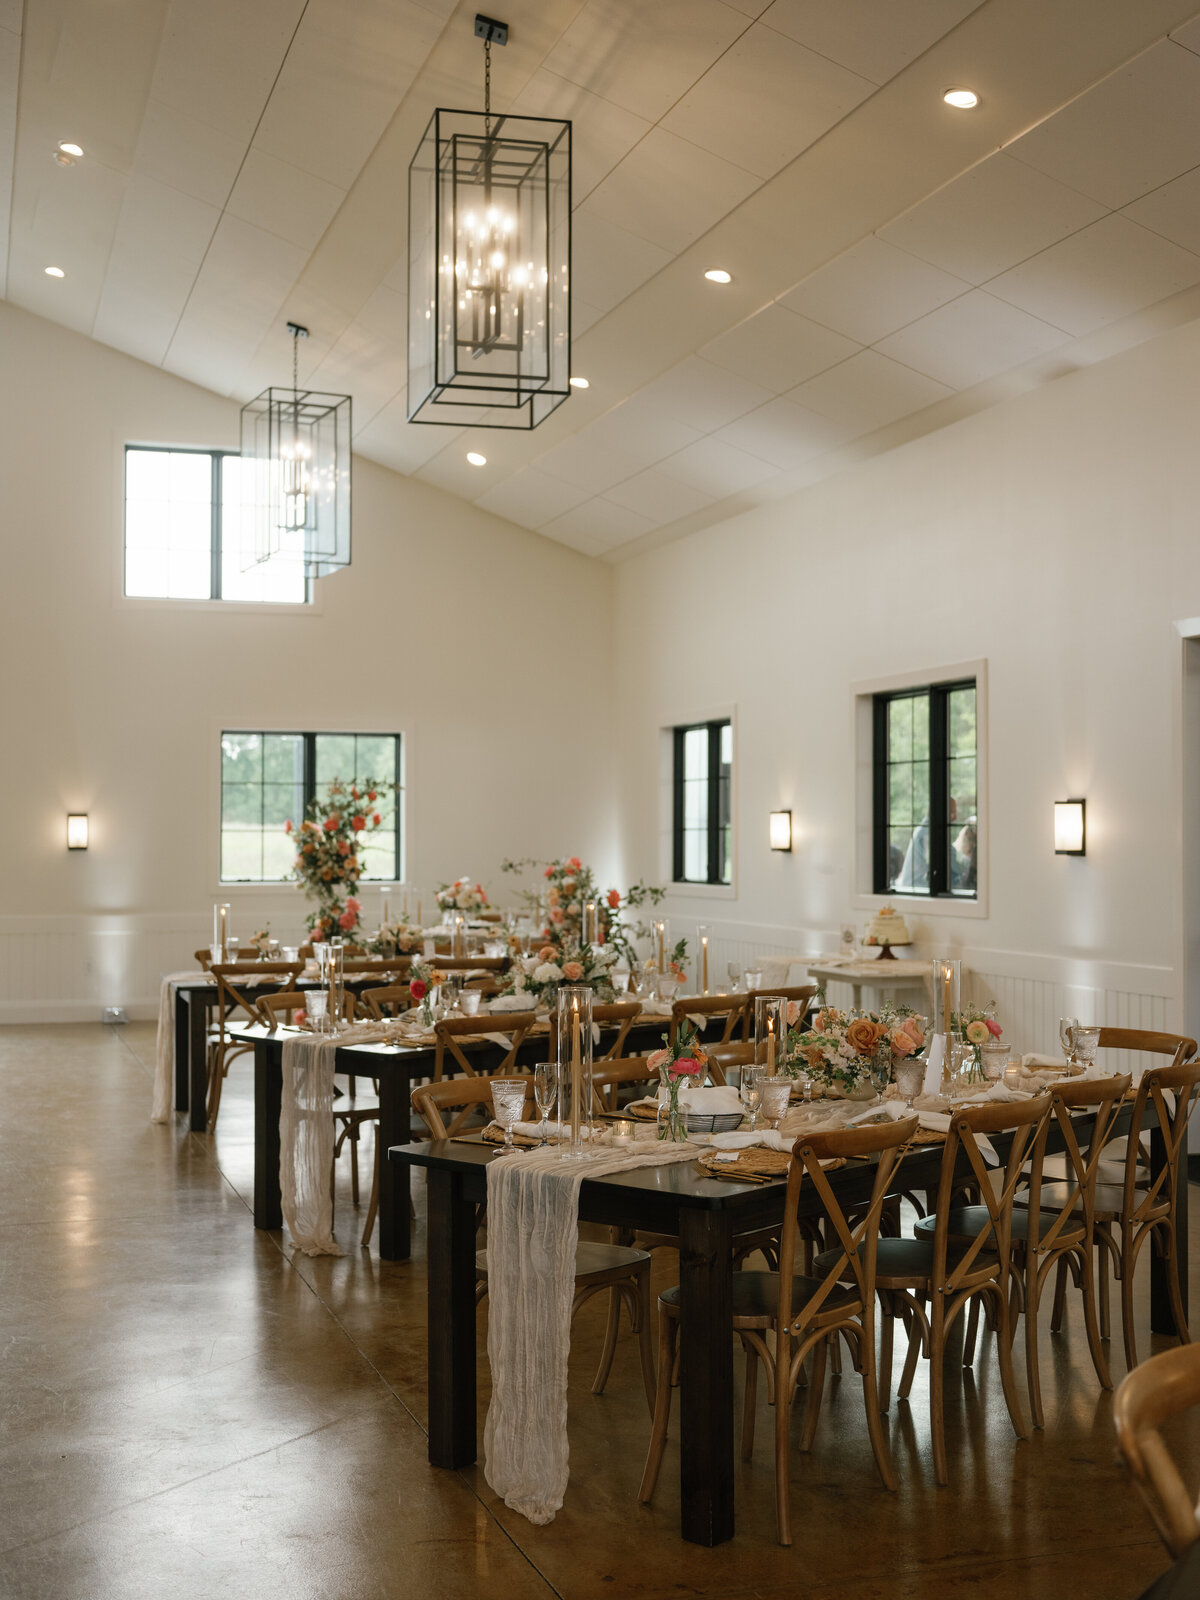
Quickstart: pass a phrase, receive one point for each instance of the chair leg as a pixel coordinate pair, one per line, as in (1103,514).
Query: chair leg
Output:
(1090,1322)
(1105,1315)
(1178,1309)
(662,1407)
(750,1401)
(968,1359)
(373,1203)
(812,1405)
(917,1338)
(645,1336)
(1128,1272)
(354,1165)
(879,1444)
(937,1410)
(1060,1295)
(612,1328)
(1033,1372)
(1007,1376)
(783,1413)
(887,1326)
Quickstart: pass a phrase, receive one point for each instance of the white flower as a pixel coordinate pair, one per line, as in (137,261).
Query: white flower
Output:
(548,972)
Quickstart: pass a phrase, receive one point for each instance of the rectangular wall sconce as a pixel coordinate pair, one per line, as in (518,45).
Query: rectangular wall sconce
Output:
(77,830)
(1070,827)
(781,830)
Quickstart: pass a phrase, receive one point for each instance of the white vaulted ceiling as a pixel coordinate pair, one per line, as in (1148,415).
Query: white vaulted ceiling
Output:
(896,264)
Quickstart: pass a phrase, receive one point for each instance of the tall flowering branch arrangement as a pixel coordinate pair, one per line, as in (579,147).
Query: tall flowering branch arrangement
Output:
(328,842)
(566,888)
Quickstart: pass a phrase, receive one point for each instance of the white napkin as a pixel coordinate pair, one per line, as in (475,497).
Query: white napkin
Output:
(995,1093)
(554,1130)
(513,1002)
(935,1122)
(711,1102)
(767,1138)
(1033,1061)
(933,1065)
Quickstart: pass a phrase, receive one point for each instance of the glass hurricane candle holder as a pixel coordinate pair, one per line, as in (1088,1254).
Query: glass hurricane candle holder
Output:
(770,1030)
(335,957)
(574,1065)
(947,980)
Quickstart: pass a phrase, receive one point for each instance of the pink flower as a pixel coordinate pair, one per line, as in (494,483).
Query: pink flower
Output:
(547,953)
(793,1013)
(353,904)
(343,847)
(902,1042)
(418,988)
(549,872)
(371,794)
(568,885)
(993,1027)
(656,1059)
(574,863)
(347,920)
(299,1018)
(572,971)
(287,827)
(913,1028)
(331,824)
(557,914)
(685,1067)
(358,823)
(375,818)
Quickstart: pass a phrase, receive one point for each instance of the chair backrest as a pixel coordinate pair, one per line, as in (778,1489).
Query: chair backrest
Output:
(801,994)
(609,1079)
(388,1001)
(1022,1121)
(203,959)
(856,1239)
(621,1014)
(236,995)
(732,1007)
(462,1096)
(450,1030)
(1170,1092)
(364,966)
(269,1006)
(473,963)
(1104,1098)
(1153,1392)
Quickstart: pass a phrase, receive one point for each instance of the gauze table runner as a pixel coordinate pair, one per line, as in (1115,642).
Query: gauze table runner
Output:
(533,1230)
(164,1045)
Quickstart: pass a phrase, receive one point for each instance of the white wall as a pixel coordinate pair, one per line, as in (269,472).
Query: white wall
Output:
(1055,537)
(446,628)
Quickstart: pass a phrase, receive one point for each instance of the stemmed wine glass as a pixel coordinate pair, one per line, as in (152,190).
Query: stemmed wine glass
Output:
(545,1092)
(750,1089)
(733,970)
(1066,1036)
(508,1100)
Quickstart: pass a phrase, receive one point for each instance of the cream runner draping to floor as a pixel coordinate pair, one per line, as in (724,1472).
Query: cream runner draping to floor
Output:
(306,1135)
(164,1048)
(532,1231)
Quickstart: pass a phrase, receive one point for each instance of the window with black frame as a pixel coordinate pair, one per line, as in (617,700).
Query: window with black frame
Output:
(926,824)
(267,780)
(703,776)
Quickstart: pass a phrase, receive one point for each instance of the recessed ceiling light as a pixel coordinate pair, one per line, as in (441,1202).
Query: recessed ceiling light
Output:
(718,275)
(476,459)
(69,149)
(961,99)
(579,383)
(55,272)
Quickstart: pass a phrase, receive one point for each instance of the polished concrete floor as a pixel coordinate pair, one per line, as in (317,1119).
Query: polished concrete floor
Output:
(186,1412)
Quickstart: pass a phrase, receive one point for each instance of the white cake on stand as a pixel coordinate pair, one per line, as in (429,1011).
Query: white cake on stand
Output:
(885,929)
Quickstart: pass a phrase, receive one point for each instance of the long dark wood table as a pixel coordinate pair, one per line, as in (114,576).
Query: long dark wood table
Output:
(704,1213)
(397,1068)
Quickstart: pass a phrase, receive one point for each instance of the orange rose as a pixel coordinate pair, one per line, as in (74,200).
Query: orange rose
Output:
(862,1036)
(572,971)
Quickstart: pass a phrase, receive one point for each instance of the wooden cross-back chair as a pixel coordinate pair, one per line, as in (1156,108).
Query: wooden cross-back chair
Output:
(807,1313)
(237,1002)
(621,1015)
(1148,1397)
(614,1075)
(203,959)
(948,1273)
(1052,1226)
(463,1098)
(711,1007)
(1138,1209)
(470,963)
(387,1001)
(450,1033)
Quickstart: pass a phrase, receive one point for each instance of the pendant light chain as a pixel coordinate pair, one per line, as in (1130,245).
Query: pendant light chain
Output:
(487,88)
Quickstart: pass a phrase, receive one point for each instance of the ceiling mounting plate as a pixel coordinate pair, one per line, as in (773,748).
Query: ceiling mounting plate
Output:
(491,30)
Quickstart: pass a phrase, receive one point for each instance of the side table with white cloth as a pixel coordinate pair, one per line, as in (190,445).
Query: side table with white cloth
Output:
(910,980)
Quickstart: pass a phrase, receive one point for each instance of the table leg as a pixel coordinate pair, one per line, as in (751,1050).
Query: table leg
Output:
(268,1092)
(706,1375)
(451,1270)
(181,1051)
(1162,1318)
(395,1177)
(197,1066)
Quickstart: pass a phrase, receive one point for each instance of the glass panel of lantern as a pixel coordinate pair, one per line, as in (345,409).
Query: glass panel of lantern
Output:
(489,270)
(296,478)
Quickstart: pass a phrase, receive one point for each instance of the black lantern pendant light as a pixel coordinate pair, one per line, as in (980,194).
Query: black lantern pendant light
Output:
(295,471)
(489,256)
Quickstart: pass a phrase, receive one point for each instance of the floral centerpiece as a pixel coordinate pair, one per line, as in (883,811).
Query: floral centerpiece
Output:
(328,842)
(974,1027)
(567,887)
(423,980)
(680,1063)
(539,975)
(842,1047)
(676,963)
(394,939)
(261,941)
(461,895)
